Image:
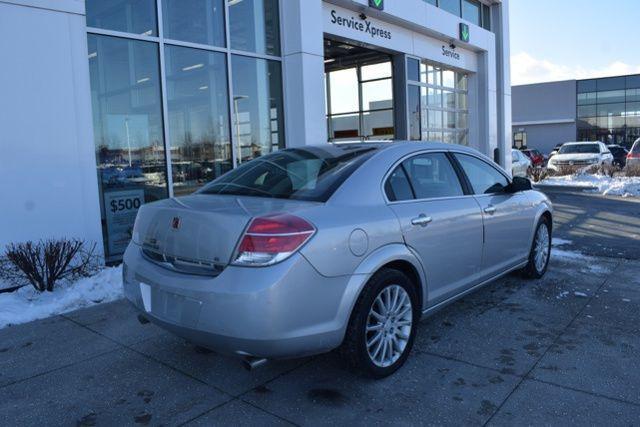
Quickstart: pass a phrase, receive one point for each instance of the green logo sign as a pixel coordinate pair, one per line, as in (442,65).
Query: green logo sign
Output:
(465,36)
(377,4)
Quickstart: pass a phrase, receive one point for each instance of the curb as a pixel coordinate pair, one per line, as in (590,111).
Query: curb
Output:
(565,187)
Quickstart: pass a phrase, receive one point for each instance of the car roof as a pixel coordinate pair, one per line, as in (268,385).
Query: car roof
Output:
(403,144)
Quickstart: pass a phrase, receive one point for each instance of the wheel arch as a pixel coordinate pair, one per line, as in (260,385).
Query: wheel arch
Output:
(397,256)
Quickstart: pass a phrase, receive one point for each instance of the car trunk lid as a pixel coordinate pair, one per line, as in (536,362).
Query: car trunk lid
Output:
(199,233)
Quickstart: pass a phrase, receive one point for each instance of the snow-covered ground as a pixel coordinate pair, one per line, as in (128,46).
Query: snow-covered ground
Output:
(617,186)
(588,263)
(25,304)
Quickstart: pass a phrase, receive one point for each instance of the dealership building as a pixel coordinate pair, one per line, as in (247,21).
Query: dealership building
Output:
(605,109)
(109,104)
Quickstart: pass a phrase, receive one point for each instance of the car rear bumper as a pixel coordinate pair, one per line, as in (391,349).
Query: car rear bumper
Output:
(633,162)
(286,310)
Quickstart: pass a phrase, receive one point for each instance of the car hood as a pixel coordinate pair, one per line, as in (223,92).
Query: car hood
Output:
(575,156)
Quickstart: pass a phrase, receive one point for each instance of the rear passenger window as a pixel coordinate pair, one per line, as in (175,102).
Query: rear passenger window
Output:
(432,176)
(398,187)
(484,178)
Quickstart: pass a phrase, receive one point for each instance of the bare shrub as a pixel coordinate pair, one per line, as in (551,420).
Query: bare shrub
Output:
(46,262)
(568,170)
(606,170)
(632,170)
(540,174)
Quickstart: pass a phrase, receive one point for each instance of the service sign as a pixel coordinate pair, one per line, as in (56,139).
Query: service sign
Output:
(377,4)
(350,25)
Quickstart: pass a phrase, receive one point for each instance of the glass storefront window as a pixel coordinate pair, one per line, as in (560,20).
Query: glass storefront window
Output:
(197,100)
(375,71)
(128,132)
(194,21)
(611,109)
(611,83)
(360,102)
(587,110)
(452,6)
(471,11)
(633,81)
(611,96)
(633,95)
(587,98)
(413,69)
(160,92)
(444,114)
(414,113)
(378,124)
(255,26)
(344,91)
(257,106)
(130,16)
(486,17)
(377,95)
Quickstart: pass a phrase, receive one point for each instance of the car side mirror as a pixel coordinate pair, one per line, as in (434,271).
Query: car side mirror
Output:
(519,184)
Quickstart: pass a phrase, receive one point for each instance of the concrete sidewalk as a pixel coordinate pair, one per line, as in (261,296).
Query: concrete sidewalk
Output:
(560,351)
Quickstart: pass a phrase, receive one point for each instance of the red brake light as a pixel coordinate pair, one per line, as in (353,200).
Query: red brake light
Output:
(633,155)
(272,239)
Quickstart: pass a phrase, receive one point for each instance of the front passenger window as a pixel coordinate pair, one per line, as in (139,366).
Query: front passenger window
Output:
(484,178)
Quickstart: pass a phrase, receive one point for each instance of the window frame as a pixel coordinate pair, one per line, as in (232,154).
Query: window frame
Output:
(467,190)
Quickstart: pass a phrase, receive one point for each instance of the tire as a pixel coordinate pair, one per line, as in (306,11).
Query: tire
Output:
(355,348)
(536,268)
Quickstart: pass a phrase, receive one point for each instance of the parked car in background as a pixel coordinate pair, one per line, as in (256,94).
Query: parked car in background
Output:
(633,158)
(619,155)
(555,150)
(536,157)
(520,164)
(581,154)
(346,246)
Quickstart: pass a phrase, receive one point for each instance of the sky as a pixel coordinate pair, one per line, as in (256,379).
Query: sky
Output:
(573,39)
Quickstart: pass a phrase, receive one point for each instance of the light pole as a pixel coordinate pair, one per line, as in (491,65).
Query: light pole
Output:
(126,126)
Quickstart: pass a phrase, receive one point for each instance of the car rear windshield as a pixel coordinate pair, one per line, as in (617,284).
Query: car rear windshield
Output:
(310,173)
(636,147)
(580,149)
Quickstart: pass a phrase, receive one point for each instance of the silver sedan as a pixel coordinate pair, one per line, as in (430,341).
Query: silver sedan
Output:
(335,246)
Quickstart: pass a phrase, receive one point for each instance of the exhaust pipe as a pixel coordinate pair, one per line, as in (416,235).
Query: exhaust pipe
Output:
(251,363)
(143,320)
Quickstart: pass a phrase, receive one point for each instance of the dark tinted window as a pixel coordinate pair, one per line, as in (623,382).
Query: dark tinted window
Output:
(432,176)
(580,149)
(484,178)
(398,187)
(636,147)
(617,151)
(303,173)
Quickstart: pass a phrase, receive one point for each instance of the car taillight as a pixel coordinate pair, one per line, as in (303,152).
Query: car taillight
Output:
(272,239)
(633,156)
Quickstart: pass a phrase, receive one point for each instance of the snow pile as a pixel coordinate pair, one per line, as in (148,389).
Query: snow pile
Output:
(617,186)
(25,304)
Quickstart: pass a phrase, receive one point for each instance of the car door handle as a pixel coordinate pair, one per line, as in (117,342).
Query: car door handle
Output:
(490,210)
(422,220)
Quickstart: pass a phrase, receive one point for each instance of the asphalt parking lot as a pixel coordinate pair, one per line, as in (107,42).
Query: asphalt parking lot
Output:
(559,351)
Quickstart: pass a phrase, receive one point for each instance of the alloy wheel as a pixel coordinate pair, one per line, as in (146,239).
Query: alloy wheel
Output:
(389,326)
(542,248)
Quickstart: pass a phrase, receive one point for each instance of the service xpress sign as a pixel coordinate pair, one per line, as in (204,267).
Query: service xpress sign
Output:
(365,26)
